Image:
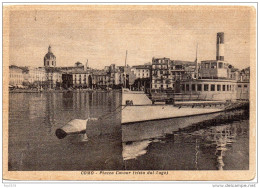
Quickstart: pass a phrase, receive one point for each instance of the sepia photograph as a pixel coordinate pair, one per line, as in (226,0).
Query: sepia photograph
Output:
(129,92)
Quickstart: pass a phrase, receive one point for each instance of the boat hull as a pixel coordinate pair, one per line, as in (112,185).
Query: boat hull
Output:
(137,107)
(134,114)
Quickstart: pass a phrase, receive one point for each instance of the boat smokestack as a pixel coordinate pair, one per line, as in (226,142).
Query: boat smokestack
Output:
(220,46)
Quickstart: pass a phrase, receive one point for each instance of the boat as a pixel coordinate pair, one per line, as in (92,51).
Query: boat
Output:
(215,87)
(138,107)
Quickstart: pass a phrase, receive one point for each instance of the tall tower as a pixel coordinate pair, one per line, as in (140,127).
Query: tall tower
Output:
(220,46)
(49,59)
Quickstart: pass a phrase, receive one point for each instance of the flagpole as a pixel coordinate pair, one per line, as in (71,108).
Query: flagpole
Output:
(197,71)
(125,68)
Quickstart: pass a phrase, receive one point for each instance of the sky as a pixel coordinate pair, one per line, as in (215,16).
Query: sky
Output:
(103,36)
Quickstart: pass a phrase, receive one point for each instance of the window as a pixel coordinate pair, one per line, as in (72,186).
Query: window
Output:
(245,86)
(218,87)
(239,86)
(155,86)
(187,87)
(214,65)
(206,65)
(193,87)
(206,87)
(220,65)
(223,88)
(212,87)
(183,87)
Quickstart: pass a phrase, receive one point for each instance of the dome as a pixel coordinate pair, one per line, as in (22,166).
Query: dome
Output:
(49,59)
(49,55)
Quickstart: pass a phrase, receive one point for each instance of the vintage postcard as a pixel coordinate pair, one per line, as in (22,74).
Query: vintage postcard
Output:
(129,92)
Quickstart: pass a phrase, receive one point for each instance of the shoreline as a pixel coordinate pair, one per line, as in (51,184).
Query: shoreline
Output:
(62,91)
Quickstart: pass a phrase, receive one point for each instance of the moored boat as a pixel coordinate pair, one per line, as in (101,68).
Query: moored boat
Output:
(137,107)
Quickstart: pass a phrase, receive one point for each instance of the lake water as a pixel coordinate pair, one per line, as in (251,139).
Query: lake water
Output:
(158,145)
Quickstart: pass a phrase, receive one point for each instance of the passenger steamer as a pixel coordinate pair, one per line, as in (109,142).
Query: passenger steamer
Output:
(137,107)
(214,89)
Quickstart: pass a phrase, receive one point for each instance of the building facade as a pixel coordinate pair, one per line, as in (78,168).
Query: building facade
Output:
(160,73)
(245,75)
(101,80)
(53,78)
(142,71)
(16,76)
(81,79)
(36,75)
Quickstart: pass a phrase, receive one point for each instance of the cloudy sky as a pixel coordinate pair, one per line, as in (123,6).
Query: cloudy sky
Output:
(103,36)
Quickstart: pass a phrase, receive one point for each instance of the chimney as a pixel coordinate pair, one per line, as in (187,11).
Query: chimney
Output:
(86,65)
(220,46)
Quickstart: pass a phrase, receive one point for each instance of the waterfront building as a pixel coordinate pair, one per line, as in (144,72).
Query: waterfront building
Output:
(53,78)
(160,73)
(100,79)
(116,76)
(76,79)
(142,71)
(67,80)
(167,73)
(81,79)
(143,76)
(16,76)
(245,75)
(36,75)
(180,70)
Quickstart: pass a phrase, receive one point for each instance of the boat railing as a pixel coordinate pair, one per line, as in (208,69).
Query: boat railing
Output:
(174,96)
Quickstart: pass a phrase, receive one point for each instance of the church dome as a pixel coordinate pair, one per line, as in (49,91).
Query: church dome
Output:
(49,59)
(49,55)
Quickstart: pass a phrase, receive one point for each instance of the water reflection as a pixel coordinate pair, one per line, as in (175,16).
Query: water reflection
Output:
(200,141)
(33,119)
